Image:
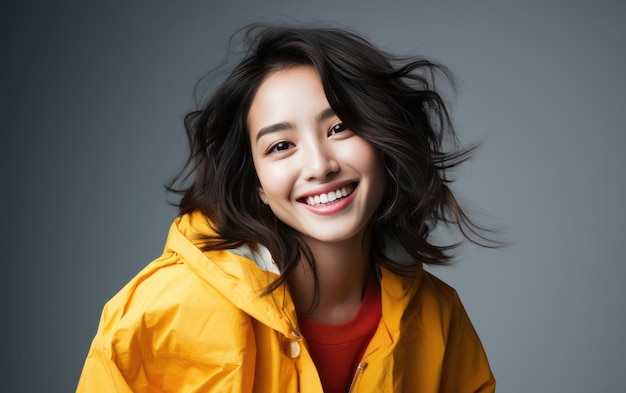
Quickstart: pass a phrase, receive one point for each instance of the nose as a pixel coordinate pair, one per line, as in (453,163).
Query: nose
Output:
(318,162)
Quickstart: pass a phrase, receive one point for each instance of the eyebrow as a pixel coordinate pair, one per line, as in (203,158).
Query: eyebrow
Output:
(323,115)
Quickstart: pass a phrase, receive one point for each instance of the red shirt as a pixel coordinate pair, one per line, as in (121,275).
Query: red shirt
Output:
(337,349)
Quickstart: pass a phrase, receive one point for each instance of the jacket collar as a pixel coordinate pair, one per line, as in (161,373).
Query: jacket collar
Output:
(242,275)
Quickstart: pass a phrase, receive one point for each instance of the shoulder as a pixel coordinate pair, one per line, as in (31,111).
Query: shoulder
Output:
(440,302)
(433,302)
(168,310)
(434,286)
(168,328)
(163,284)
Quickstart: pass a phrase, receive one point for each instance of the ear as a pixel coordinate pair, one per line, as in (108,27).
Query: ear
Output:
(262,195)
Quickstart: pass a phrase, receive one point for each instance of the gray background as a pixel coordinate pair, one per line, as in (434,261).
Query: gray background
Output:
(92,103)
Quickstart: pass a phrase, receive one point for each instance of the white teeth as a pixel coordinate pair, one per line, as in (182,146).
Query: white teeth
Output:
(330,197)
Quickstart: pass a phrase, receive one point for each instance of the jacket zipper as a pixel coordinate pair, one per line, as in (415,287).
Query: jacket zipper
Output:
(357,373)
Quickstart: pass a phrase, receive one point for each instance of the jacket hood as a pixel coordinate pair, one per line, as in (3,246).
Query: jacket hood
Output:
(240,275)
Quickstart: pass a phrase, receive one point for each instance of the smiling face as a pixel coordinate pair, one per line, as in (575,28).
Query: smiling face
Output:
(317,176)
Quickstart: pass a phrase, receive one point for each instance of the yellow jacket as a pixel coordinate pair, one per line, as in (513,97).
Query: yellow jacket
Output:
(195,322)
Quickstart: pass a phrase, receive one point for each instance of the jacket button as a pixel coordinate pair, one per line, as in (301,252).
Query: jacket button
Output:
(292,348)
(296,334)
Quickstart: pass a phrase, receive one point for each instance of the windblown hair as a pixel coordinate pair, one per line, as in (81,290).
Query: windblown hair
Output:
(389,101)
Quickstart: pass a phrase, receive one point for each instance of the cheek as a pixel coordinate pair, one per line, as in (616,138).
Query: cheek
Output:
(370,161)
(262,170)
(275,180)
(371,165)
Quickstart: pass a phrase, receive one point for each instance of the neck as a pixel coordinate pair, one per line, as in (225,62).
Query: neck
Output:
(342,270)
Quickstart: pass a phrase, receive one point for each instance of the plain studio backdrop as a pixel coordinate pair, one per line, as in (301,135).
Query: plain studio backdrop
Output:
(93,97)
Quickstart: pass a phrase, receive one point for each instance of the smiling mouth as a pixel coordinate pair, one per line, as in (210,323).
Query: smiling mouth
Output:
(330,197)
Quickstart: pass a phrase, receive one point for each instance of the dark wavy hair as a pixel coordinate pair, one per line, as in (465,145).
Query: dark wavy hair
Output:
(389,101)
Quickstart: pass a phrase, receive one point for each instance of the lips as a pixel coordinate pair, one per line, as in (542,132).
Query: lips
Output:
(329,197)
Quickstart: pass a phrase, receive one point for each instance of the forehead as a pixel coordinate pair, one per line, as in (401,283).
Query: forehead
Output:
(286,95)
(303,78)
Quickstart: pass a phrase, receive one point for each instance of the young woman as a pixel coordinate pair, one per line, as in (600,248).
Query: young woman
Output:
(317,170)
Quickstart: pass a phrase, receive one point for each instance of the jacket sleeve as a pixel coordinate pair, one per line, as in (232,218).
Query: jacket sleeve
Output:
(465,365)
(101,375)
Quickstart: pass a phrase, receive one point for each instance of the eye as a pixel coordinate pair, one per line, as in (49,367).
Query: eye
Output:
(337,128)
(280,147)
